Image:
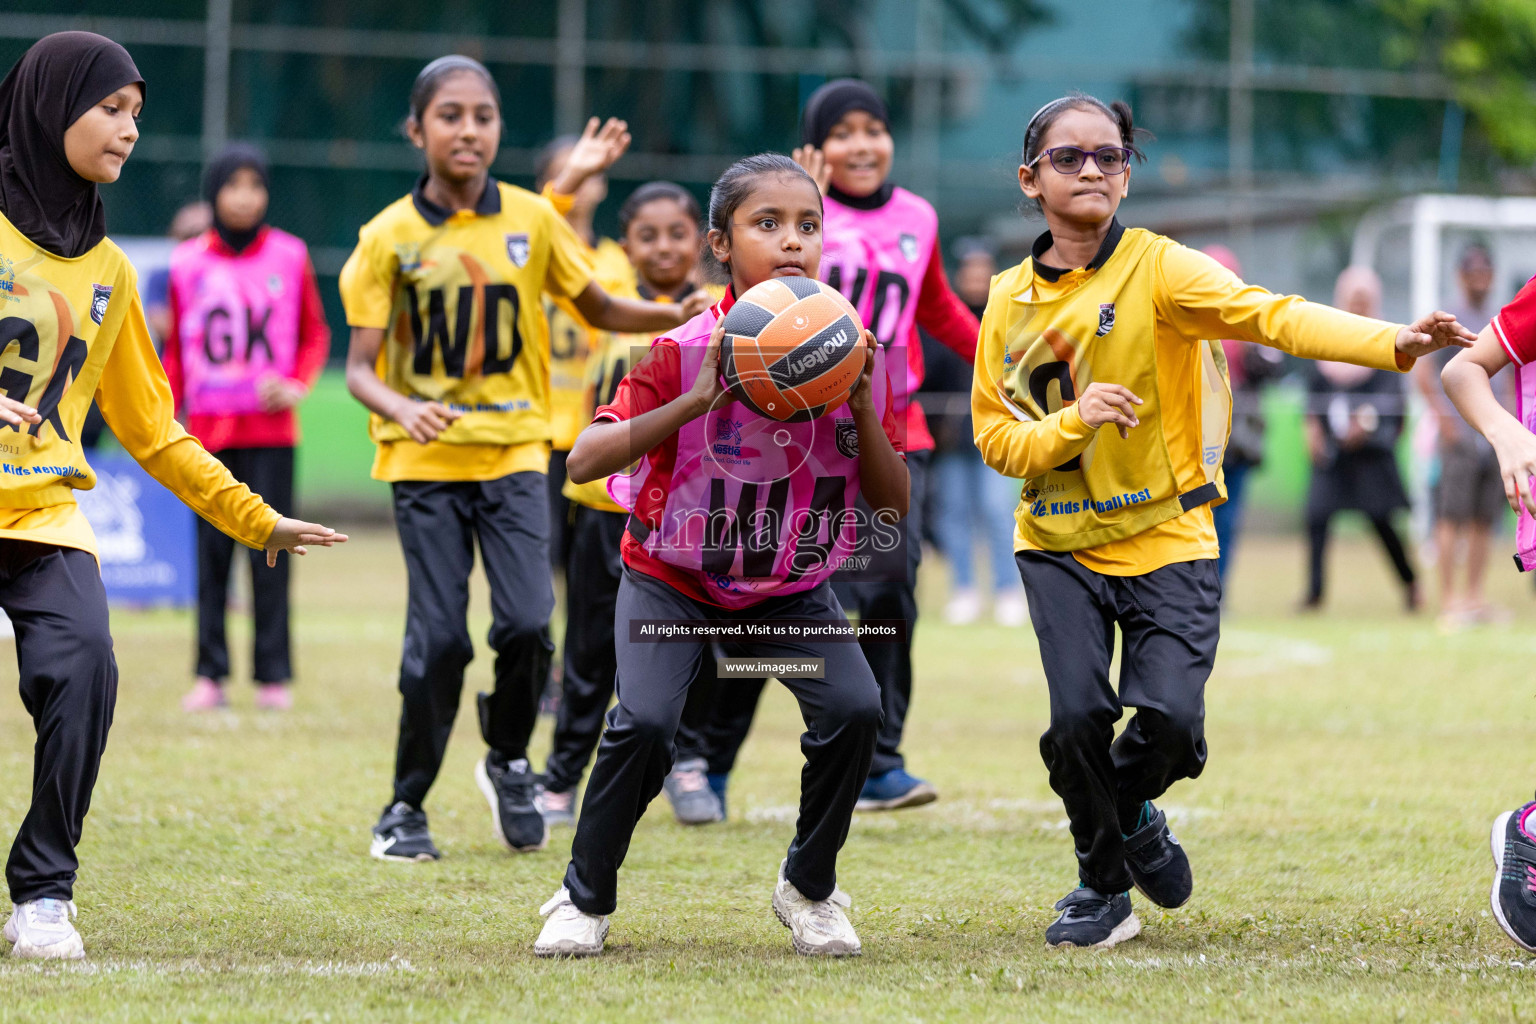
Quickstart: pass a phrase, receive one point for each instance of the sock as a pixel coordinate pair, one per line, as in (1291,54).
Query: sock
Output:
(1132,820)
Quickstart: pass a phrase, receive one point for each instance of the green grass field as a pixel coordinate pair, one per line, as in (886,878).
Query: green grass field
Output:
(1339,840)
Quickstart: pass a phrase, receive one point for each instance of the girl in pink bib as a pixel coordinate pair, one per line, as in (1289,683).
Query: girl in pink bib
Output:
(736,525)
(247,341)
(1509,339)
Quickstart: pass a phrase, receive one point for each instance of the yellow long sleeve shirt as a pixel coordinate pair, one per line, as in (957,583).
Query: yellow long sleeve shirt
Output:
(1194,298)
(72,330)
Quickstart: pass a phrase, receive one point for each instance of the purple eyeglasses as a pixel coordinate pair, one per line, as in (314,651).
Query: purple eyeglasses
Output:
(1070,159)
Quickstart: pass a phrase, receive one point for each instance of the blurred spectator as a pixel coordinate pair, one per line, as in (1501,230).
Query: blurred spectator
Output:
(1248,366)
(190,221)
(1354,418)
(1469,498)
(972,505)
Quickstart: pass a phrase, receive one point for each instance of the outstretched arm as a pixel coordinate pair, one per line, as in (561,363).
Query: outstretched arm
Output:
(632,316)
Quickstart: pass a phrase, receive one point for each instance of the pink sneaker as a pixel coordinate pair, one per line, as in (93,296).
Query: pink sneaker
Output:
(205,695)
(274,697)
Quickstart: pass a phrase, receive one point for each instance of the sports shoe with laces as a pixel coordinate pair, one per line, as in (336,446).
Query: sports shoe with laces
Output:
(556,808)
(893,790)
(567,931)
(1091,920)
(402,835)
(687,789)
(41,929)
(1157,862)
(816,927)
(1514,876)
(510,788)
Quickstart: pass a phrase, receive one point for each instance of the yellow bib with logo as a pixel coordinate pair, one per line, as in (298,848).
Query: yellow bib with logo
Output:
(1103,330)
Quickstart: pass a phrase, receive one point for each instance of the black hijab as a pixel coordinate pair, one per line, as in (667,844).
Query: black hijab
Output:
(235,156)
(830,104)
(57,80)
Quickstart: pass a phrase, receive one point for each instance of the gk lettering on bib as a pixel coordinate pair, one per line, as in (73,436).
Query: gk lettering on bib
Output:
(238,319)
(756,508)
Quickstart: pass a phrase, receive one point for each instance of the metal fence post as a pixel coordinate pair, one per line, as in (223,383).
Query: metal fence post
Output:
(216,77)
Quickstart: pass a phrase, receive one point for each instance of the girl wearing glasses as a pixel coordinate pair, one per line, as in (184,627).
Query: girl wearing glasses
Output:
(1106,327)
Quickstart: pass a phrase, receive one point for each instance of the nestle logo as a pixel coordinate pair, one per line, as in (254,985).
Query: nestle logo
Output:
(733,450)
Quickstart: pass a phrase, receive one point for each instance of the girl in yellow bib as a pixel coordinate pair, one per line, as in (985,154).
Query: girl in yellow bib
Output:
(72,330)
(450,352)
(1095,384)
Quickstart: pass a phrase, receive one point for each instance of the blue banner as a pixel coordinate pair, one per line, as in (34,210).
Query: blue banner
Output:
(145,535)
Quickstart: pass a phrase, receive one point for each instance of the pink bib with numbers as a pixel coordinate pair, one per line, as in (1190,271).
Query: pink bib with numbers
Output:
(756,508)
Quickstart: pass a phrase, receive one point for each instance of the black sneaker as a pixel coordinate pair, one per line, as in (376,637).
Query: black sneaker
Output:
(1090,919)
(510,788)
(1514,876)
(401,834)
(1159,866)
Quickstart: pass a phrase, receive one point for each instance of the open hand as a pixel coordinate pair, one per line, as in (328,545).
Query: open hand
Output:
(1432,333)
(600,146)
(278,393)
(1109,403)
(293,534)
(1516,450)
(815,164)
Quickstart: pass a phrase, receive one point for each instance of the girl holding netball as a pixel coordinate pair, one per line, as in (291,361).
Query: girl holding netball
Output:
(74,331)
(672,413)
(450,353)
(882,252)
(1095,384)
(660,229)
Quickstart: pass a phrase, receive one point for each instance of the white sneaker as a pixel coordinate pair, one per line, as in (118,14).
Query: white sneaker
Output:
(963,608)
(816,927)
(41,929)
(1010,609)
(568,931)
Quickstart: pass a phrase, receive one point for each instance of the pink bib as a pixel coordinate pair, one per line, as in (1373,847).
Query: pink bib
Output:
(877,259)
(238,319)
(1525,526)
(756,508)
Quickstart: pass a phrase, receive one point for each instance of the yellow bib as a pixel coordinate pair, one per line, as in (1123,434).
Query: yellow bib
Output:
(1104,331)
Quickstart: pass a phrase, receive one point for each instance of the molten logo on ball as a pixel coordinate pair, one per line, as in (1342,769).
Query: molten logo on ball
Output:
(772,367)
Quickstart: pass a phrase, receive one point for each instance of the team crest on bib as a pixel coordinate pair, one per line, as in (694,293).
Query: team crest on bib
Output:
(848,438)
(908,243)
(1106,319)
(518,250)
(101,294)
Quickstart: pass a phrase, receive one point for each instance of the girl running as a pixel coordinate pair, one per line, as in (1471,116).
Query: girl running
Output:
(449,351)
(247,340)
(1094,385)
(882,252)
(659,227)
(765,224)
(74,330)
(1468,379)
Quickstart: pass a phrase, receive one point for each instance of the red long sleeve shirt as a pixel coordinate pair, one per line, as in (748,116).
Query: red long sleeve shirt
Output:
(941,313)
